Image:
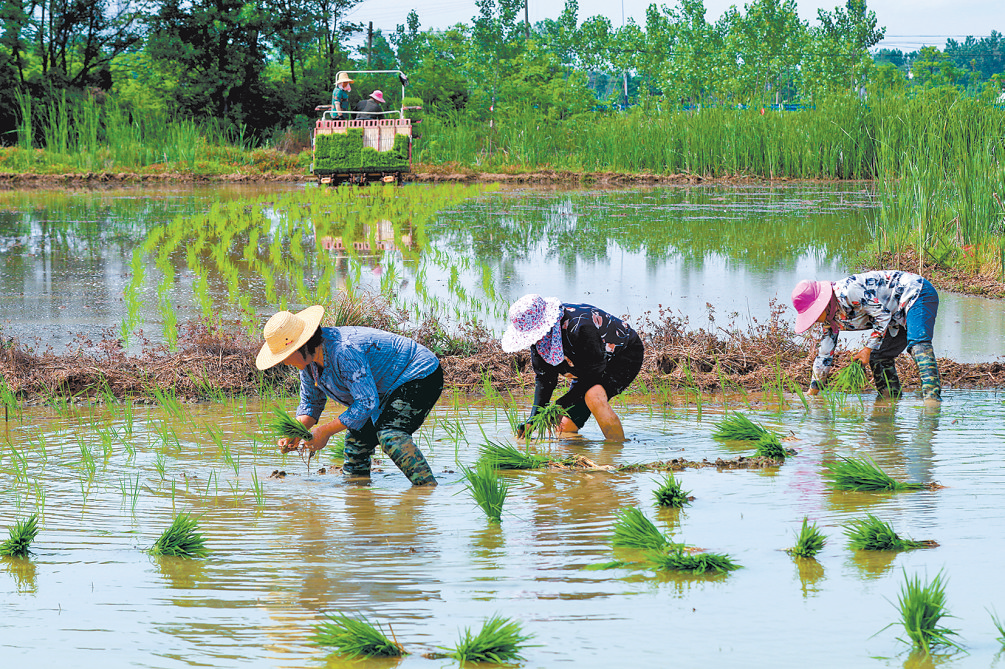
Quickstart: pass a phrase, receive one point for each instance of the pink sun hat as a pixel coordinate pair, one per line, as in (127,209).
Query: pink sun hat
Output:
(531,318)
(378,96)
(810,298)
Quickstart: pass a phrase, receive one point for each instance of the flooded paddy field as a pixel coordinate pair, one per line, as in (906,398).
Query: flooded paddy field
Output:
(427,562)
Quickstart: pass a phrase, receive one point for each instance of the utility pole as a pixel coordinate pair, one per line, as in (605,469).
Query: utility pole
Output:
(369,45)
(526,19)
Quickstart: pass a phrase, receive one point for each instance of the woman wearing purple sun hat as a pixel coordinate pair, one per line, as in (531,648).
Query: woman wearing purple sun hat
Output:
(600,353)
(898,307)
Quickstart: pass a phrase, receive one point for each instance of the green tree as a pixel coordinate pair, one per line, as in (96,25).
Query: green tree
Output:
(934,69)
(838,48)
(683,51)
(764,47)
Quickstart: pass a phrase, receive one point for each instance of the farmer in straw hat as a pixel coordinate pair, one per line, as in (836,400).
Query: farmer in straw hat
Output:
(600,353)
(340,96)
(898,307)
(388,383)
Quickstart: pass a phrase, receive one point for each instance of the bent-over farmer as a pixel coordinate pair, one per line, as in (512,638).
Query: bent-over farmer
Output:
(600,353)
(387,382)
(898,307)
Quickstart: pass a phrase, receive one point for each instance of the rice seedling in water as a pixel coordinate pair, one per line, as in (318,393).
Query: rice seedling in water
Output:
(922,607)
(770,446)
(257,488)
(809,541)
(677,559)
(669,493)
(737,427)
(507,456)
(999,625)
(354,637)
(181,539)
(21,535)
(500,641)
(545,421)
(633,530)
(287,427)
(872,534)
(850,379)
(863,474)
(487,488)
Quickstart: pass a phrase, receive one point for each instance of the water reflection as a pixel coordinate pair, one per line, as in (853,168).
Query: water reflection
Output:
(24,573)
(810,573)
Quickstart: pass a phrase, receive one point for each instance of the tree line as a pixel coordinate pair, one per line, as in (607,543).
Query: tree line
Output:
(262,65)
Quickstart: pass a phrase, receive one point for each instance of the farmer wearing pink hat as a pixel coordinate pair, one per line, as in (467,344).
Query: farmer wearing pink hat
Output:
(388,384)
(898,307)
(370,108)
(600,353)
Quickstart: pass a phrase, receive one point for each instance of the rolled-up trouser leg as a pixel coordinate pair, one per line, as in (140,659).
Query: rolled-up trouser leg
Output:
(884,375)
(403,452)
(358,450)
(928,369)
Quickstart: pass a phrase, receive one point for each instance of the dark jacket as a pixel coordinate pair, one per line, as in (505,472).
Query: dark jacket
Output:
(367,107)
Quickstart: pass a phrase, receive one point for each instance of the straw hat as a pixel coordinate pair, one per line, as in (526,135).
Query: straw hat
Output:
(285,333)
(531,317)
(378,96)
(810,298)
(343,78)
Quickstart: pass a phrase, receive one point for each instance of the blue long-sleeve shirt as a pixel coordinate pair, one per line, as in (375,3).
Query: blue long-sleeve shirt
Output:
(362,366)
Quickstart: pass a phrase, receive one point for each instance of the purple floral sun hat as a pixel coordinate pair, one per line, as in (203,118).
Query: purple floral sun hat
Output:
(530,319)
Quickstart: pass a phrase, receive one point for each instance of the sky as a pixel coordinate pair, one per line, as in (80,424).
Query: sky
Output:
(910,24)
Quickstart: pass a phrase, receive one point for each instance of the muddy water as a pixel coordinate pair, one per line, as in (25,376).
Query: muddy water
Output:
(427,562)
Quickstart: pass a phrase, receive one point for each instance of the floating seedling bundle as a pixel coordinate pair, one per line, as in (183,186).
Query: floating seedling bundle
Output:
(770,446)
(675,558)
(21,535)
(872,534)
(809,541)
(487,488)
(507,456)
(181,539)
(863,474)
(499,641)
(633,530)
(354,637)
(671,494)
(922,607)
(737,427)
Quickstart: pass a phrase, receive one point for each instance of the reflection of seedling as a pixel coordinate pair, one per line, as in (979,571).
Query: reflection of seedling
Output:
(353,637)
(677,559)
(488,489)
(737,427)
(769,446)
(499,641)
(850,379)
(809,541)
(545,421)
(21,536)
(670,493)
(633,530)
(921,609)
(872,534)
(507,456)
(863,474)
(181,539)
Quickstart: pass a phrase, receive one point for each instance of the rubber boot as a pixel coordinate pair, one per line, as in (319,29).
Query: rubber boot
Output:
(928,369)
(356,461)
(403,452)
(884,375)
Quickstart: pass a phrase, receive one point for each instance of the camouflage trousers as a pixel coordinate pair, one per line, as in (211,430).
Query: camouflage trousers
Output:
(403,411)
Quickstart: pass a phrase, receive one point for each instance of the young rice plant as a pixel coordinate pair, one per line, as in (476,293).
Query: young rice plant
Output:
(487,488)
(181,539)
(770,446)
(850,379)
(872,534)
(633,530)
(809,541)
(21,535)
(285,426)
(677,559)
(507,456)
(737,427)
(499,641)
(671,494)
(863,474)
(354,637)
(922,607)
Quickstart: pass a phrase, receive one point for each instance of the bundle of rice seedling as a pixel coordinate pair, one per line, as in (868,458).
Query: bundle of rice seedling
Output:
(770,446)
(353,637)
(863,474)
(999,625)
(809,541)
(499,641)
(545,421)
(181,539)
(488,489)
(849,379)
(737,427)
(670,493)
(872,534)
(21,535)
(677,559)
(507,456)
(285,426)
(921,609)
(633,530)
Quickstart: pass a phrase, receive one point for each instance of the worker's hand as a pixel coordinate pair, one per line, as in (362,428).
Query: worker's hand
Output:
(813,391)
(863,356)
(287,444)
(319,441)
(521,430)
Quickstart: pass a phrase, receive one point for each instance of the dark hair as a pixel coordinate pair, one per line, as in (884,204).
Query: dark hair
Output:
(311,344)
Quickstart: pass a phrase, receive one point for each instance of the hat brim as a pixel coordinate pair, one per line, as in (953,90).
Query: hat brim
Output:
(514,340)
(807,318)
(311,316)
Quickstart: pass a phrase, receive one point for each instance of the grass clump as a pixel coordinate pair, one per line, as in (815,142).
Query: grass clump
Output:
(737,427)
(671,494)
(181,539)
(850,379)
(21,535)
(677,559)
(809,541)
(922,607)
(500,641)
(770,446)
(285,426)
(999,625)
(872,534)
(487,488)
(354,637)
(863,474)
(507,456)
(633,530)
